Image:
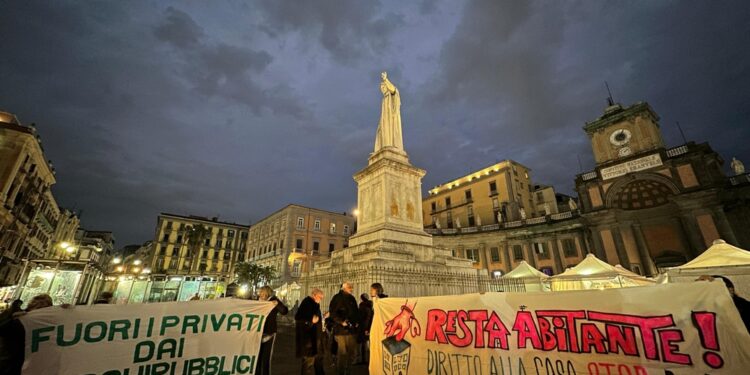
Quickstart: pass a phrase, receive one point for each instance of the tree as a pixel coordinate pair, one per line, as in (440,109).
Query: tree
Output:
(253,274)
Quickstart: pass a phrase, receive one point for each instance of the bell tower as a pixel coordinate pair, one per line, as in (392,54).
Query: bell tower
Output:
(624,131)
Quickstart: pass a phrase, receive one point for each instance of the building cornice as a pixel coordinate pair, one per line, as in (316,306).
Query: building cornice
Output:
(616,114)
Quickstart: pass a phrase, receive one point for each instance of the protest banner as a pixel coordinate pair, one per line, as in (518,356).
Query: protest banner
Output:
(664,329)
(171,338)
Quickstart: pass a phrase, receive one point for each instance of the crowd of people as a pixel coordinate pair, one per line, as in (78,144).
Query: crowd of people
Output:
(343,331)
(340,335)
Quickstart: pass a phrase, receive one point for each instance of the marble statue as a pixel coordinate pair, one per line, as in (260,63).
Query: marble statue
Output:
(479,221)
(437,223)
(737,166)
(389,128)
(547,209)
(572,204)
(523,213)
(458,223)
(499,217)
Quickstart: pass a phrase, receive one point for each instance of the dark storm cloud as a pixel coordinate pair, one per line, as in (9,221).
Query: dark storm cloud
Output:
(238,109)
(228,71)
(521,78)
(179,29)
(348,30)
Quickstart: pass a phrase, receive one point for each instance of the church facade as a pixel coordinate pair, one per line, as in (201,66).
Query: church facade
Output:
(645,206)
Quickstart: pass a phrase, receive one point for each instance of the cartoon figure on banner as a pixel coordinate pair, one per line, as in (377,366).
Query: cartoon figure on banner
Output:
(396,350)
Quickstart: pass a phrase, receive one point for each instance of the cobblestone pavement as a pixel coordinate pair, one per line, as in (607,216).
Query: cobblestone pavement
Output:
(285,363)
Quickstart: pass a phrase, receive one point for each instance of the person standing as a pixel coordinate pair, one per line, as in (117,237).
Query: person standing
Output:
(363,333)
(345,314)
(269,330)
(376,291)
(13,337)
(742,305)
(309,333)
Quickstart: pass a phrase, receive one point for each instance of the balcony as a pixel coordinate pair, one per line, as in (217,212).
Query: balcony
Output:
(588,176)
(492,193)
(677,151)
(438,208)
(506,225)
(740,179)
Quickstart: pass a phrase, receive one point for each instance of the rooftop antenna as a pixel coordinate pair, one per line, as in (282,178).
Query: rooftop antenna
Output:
(609,98)
(684,140)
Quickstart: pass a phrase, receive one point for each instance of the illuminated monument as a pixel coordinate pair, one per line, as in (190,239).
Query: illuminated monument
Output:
(391,246)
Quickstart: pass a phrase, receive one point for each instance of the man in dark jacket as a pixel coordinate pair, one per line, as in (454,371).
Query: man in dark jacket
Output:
(269,330)
(365,316)
(13,337)
(742,305)
(309,329)
(345,314)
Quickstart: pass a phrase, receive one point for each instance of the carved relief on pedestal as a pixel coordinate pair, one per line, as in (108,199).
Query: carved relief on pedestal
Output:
(394,206)
(377,199)
(410,211)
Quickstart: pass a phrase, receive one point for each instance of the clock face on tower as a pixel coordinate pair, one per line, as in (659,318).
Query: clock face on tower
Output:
(620,137)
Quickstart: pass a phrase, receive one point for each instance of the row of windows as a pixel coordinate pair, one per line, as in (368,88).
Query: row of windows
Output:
(230,232)
(228,243)
(227,254)
(316,226)
(539,248)
(185,266)
(316,245)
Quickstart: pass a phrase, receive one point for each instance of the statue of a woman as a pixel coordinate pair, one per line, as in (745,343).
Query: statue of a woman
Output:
(389,128)
(737,166)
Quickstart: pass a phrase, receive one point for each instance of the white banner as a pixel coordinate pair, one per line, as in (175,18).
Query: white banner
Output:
(171,338)
(664,329)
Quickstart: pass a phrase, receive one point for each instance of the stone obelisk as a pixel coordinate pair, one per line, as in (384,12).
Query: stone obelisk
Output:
(390,189)
(391,246)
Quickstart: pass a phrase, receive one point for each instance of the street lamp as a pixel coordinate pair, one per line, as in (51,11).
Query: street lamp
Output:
(116,260)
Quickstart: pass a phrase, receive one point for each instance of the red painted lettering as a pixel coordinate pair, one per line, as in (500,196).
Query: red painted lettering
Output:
(526,328)
(592,337)
(435,320)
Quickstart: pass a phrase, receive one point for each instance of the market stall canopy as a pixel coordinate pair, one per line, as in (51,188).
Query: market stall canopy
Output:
(593,273)
(720,254)
(532,278)
(525,271)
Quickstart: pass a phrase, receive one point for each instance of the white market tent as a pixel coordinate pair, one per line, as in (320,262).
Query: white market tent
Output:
(593,273)
(720,254)
(719,259)
(532,278)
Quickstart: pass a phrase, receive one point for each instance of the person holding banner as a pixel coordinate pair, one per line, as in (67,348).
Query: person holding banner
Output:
(309,330)
(269,330)
(742,305)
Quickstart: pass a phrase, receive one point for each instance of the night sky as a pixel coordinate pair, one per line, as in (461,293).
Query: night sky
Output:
(235,109)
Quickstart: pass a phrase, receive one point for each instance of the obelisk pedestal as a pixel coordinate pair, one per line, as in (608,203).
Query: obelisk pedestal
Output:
(391,246)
